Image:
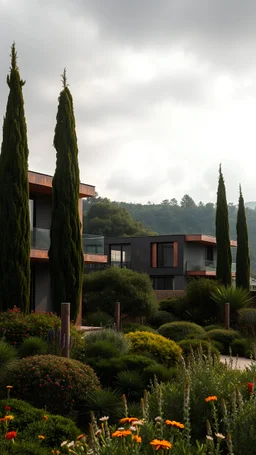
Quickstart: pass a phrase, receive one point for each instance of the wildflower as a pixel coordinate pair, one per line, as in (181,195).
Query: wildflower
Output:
(137,438)
(161,444)
(40,436)
(138,422)
(120,428)
(9,386)
(80,437)
(158,419)
(128,420)
(2,419)
(209,438)
(173,423)
(7,408)
(103,419)
(211,398)
(250,387)
(45,417)
(121,434)
(71,444)
(219,435)
(132,428)
(11,435)
(98,432)
(63,443)
(8,417)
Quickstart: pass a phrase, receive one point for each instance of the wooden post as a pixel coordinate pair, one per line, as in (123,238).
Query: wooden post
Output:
(117,317)
(227,315)
(65,329)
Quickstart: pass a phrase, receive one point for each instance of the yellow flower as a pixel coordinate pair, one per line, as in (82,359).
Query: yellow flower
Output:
(121,434)
(40,436)
(211,398)
(129,420)
(9,386)
(173,423)
(137,438)
(161,444)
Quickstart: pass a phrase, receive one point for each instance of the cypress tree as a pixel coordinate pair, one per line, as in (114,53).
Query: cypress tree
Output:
(224,258)
(14,199)
(65,253)
(242,254)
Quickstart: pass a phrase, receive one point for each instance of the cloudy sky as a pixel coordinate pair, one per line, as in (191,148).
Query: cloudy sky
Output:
(164,90)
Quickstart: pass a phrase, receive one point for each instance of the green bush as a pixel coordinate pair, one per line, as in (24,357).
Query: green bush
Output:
(243,436)
(247,321)
(201,307)
(240,347)
(100,350)
(33,346)
(51,381)
(207,328)
(161,317)
(174,305)
(98,319)
(237,297)
(226,337)
(23,448)
(131,383)
(197,345)
(7,354)
(162,373)
(180,330)
(29,423)
(135,327)
(104,402)
(156,346)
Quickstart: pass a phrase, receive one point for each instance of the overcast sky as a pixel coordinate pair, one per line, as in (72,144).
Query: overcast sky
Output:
(164,90)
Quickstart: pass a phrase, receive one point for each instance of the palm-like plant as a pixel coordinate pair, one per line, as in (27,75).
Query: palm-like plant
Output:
(237,298)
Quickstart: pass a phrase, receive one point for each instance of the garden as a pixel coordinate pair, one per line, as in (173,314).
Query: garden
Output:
(157,387)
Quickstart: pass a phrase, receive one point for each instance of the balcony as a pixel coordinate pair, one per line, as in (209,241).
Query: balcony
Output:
(204,268)
(92,244)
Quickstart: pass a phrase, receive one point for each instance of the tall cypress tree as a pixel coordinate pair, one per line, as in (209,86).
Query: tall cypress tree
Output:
(65,253)
(14,199)
(224,258)
(242,254)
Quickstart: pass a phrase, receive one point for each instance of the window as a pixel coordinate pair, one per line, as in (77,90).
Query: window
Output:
(160,283)
(165,255)
(120,255)
(209,253)
(31,213)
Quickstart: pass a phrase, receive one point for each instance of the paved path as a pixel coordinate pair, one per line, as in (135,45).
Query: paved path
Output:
(239,363)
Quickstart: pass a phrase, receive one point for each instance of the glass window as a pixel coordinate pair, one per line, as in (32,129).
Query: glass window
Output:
(120,255)
(115,256)
(165,255)
(162,283)
(31,213)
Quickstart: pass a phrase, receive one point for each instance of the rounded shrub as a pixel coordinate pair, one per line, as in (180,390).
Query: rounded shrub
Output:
(135,327)
(197,345)
(181,330)
(175,305)
(161,317)
(226,337)
(33,346)
(57,383)
(100,350)
(117,339)
(98,319)
(162,373)
(240,347)
(156,346)
(207,328)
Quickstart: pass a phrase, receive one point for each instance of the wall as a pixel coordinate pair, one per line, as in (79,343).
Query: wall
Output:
(162,295)
(42,287)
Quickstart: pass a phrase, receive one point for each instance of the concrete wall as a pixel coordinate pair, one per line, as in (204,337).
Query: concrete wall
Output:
(42,287)
(196,253)
(43,211)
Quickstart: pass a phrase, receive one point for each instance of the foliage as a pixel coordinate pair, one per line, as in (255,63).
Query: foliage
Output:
(193,346)
(131,383)
(104,402)
(98,319)
(135,327)
(201,308)
(33,346)
(51,381)
(174,305)
(102,289)
(159,372)
(244,438)
(161,317)
(14,199)
(156,346)
(100,349)
(247,316)
(23,447)
(207,328)
(237,297)
(240,347)
(30,422)
(7,354)
(180,330)
(242,253)
(66,258)
(109,219)
(226,337)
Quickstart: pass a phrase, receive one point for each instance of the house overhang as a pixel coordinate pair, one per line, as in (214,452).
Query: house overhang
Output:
(42,184)
(205,239)
(42,256)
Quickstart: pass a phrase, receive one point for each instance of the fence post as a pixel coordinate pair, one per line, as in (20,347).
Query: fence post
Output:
(65,329)
(227,315)
(117,317)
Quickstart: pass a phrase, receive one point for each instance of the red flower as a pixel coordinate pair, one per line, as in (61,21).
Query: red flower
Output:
(250,387)
(11,435)
(7,408)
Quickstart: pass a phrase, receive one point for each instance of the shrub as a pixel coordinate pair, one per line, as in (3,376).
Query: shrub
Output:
(29,422)
(51,381)
(23,447)
(135,327)
(201,306)
(226,337)
(104,402)
(174,305)
(7,354)
(159,348)
(237,297)
(240,347)
(131,383)
(207,328)
(161,317)
(33,346)
(247,321)
(243,436)
(197,345)
(162,373)
(98,319)
(100,350)
(180,330)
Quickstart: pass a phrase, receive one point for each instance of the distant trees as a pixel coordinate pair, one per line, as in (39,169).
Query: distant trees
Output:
(14,199)
(242,255)
(187,202)
(224,258)
(65,253)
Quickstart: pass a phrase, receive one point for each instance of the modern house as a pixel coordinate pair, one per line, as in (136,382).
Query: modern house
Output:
(169,260)
(40,205)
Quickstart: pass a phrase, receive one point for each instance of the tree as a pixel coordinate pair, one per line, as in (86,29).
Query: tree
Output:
(242,254)
(224,258)
(14,199)
(102,289)
(65,253)
(187,202)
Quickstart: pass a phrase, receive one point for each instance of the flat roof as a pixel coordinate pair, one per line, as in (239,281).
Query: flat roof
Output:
(42,183)
(197,238)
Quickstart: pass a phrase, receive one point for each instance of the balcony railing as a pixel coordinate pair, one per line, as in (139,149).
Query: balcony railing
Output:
(204,266)
(92,244)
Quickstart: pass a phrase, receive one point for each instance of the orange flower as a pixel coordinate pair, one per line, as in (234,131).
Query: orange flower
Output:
(121,434)
(40,436)
(161,444)
(2,419)
(137,438)
(211,398)
(128,420)
(45,417)
(173,423)
(8,417)
(80,437)
(9,386)
(11,435)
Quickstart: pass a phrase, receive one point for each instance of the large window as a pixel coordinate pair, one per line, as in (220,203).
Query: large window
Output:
(120,255)
(31,213)
(165,255)
(160,283)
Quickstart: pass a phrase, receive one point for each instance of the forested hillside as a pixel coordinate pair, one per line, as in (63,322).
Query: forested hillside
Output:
(169,217)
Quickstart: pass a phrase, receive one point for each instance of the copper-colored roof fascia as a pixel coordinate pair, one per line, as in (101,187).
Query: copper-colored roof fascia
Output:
(206,239)
(42,183)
